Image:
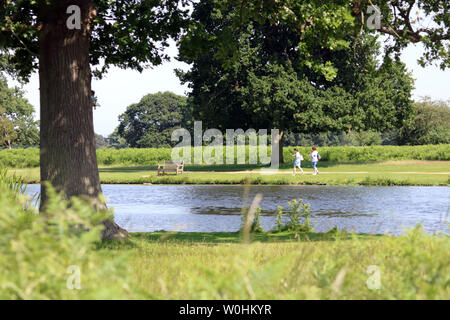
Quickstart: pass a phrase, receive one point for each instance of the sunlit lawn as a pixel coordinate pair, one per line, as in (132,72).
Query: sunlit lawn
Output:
(375,173)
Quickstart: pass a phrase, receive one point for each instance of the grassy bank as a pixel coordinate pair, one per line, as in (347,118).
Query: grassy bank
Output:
(237,237)
(390,173)
(287,266)
(43,253)
(29,158)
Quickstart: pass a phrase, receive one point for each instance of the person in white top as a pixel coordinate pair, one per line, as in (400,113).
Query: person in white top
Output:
(297,161)
(315,157)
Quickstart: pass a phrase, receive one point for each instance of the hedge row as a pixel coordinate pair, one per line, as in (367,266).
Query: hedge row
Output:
(29,158)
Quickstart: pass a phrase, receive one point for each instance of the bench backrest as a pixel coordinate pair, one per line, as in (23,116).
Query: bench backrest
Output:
(172,164)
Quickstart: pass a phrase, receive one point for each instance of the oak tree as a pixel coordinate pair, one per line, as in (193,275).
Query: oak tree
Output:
(324,78)
(18,126)
(68,42)
(150,123)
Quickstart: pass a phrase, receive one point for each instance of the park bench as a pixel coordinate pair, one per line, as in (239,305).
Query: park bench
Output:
(170,166)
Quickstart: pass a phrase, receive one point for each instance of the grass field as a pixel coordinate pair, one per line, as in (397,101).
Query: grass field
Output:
(41,253)
(287,266)
(29,158)
(388,173)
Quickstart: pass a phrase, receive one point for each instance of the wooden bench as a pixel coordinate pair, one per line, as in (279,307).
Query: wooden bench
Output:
(170,166)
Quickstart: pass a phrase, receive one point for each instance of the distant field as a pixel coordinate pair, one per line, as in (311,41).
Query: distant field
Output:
(392,173)
(29,158)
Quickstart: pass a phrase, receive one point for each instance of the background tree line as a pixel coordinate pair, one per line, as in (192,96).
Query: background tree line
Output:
(429,124)
(149,123)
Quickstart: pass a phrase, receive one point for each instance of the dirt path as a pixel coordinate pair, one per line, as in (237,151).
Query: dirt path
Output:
(270,171)
(323,172)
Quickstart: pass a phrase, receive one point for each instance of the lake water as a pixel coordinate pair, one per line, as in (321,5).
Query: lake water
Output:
(139,208)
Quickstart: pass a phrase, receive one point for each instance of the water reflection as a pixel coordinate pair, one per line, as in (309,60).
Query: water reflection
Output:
(217,208)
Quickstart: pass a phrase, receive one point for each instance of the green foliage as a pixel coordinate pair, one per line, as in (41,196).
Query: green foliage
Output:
(12,183)
(332,139)
(125,33)
(29,158)
(132,33)
(378,153)
(100,141)
(115,141)
(298,215)
(39,249)
(402,21)
(150,123)
(331,82)
(17,124)
(303,266)
(252,224)
(19,158)
(7,132)
(133,156)
(431,124)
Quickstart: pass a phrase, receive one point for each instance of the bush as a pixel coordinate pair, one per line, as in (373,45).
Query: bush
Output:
(376,153)
(255,221)
(298,215)
(19,158)
(42,253)
(29,158)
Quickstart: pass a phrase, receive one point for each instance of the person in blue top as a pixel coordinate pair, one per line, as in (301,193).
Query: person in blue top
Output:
(297,162)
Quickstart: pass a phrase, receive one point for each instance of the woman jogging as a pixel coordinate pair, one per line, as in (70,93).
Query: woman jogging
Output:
(297,161)
(315,157)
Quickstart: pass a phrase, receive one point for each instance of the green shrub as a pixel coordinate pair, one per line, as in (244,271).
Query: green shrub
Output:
(375,153)
(42,253)
(19,158)
(298,215)
(29,158)
(255,221)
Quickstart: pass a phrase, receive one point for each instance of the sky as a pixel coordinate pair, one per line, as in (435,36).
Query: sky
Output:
(121,88)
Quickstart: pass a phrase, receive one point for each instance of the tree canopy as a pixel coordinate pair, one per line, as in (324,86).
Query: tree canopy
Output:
(272,83)
(430,124)
(150,123)
(425,22)
(125,33)
(323,24)
(17,124)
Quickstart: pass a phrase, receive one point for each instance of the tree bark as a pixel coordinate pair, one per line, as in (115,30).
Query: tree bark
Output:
(68,154)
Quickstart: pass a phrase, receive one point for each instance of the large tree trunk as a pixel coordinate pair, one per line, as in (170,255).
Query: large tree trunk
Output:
(68,155)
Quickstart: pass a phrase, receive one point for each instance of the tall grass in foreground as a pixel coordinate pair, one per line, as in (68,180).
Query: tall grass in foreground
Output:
(29,158)
(413,266)
(40,254)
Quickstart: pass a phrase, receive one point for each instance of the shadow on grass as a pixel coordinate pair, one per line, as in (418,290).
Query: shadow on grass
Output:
(235,237)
